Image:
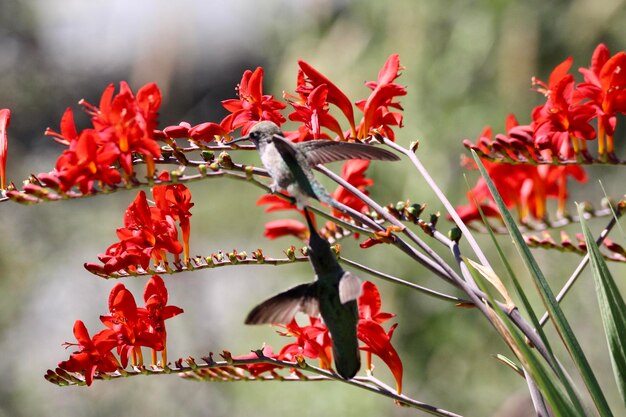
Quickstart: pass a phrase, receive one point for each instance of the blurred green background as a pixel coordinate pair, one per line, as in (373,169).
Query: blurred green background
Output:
(468,63)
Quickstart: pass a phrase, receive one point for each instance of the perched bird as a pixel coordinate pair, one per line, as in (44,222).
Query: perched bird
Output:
(333,295)
(281,156)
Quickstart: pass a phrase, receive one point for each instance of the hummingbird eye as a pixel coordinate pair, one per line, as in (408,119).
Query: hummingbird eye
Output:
(253,135)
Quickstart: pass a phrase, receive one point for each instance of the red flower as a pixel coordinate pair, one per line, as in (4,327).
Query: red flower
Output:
(207,131)
(5,117)
(148,233)
(175,200)
(309,78)
(93,355)
(605,87)
(121,256)
(313,341)
(286,227)
(85,162)
(157,311)
(563,120)
(274,203)
(353,172)
(313,114)
(377,118)
(379,343)
(252,106)
(524,186)
(128,122)
(370,332)
(131,332)
(68,129)
(370,304)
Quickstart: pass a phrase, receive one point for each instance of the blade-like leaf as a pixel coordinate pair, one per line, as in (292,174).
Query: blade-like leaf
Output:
(495,280)
(540,372)
(561,324)
(612,309)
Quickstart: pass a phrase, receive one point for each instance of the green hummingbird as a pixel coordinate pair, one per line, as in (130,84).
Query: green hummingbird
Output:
(279,156)
(333,295)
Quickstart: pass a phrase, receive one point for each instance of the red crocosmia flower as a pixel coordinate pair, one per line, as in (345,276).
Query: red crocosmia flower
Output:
(377,118)
(286,227)
(370,332)
(68,129)
(283,227)
(313,342)
(309,78)
(180,130)
(157,311)
(524,186)
(353,171)
(558,73)
(150,228)
(252,106)
(257,369)
(605,87)
(563,120)
(207,132)
(94,355)
(5,117)
(129,122)
(274,203)
(379,343)
(148,233)
(124,255)
(130,330)
(313,114)
(370,304)
(175,200)
(85,162)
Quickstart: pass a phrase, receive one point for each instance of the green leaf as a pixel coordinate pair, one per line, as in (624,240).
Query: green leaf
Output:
(516,283)
(612,308)
(541,374)
(558,317)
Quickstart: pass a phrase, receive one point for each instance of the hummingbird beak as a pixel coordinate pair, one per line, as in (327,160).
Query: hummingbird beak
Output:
(239,139)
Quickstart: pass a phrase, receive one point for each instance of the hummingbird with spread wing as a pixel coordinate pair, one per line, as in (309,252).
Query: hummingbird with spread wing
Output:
(333,295)
(279,156)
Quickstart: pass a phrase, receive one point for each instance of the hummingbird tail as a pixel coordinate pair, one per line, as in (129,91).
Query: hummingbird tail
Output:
(347,356)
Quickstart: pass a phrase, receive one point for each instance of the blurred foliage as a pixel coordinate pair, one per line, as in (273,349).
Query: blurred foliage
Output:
(468,63)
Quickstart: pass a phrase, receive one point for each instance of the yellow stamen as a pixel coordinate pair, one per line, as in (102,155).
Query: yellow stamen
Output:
(601,141)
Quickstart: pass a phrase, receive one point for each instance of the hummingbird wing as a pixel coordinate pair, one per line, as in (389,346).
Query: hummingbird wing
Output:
(289,153)
(325,151)
(281,308)
(349,287)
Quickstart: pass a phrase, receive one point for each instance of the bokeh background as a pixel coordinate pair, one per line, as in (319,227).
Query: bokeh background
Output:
(468,64)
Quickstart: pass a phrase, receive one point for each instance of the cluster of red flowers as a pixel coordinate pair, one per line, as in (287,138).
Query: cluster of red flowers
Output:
(560,129)
(123,127)
(128,328)
(315,94)
(150,232)
(314,341)
(523,186)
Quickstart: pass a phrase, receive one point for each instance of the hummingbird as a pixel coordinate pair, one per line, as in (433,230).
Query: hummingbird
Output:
(333,294)
(290,164)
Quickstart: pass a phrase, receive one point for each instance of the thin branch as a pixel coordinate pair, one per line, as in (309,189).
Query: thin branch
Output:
(235,370)
(400,281)
(215,260)
(436,264)
(441,196)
